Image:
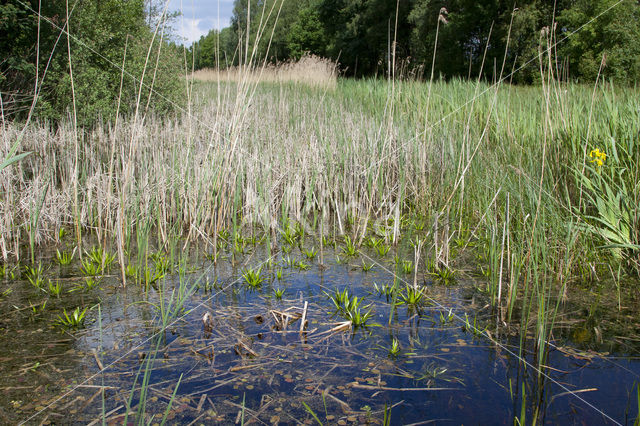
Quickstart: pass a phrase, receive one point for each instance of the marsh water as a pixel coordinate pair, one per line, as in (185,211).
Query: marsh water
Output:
(248,363)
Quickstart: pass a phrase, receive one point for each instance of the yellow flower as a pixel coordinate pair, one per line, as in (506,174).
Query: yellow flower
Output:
(597,157)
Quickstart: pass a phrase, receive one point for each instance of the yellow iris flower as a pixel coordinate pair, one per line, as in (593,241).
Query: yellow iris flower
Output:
(597,157)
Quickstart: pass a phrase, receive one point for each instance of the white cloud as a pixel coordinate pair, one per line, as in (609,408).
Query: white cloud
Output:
(191,29)
(201,16)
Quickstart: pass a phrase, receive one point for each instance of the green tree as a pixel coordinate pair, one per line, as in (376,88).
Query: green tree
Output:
(99,32)
(612,32)
(216,49)
(307,34)
(361,32)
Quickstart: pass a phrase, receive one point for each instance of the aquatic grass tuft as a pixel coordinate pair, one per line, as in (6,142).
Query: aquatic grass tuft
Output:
(278,293)
(74,320)
(35,275)
(349,248)
(311,253)
(365,267)
(394,348)
(411,296)
(65,258)
(382,249)
(100,257)
(89,267)
(385,290)
(55,289)
(473,328)
(253,278)
(313,414)
(349,307)
(386,419)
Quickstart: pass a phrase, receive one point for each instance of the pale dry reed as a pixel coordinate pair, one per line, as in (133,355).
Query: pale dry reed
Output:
(310,69)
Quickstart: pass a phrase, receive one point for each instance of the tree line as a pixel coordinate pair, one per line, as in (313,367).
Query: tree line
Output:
(452,38)
(75,52)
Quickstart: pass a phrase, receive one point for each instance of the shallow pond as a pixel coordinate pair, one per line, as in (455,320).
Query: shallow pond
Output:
(443,360)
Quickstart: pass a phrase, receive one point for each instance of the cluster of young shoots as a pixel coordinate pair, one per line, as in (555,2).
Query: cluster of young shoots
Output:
(351,308)
(253,278)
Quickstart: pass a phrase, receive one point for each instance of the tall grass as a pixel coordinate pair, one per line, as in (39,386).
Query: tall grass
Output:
(294,155)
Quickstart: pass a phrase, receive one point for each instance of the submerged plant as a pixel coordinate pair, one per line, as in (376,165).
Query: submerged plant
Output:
(443,274)
(357,316)
(162,265)
(289,235)
(339,298)
(238,244)
(73,321)
(91,283)
(253,240)
(302,266)
(147,277)
(253,278)
(223,234)
(131,270)
(433,372)
(35,309)
(288,261)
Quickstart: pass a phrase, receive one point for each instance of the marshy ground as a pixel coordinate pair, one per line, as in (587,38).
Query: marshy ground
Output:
(489,255)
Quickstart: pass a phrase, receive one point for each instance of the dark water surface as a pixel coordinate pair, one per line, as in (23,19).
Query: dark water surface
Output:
(247,369)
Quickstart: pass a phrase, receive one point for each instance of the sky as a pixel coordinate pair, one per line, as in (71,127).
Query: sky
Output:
(200,16)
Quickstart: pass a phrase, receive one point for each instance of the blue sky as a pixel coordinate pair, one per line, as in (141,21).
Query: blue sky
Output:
(200,16)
